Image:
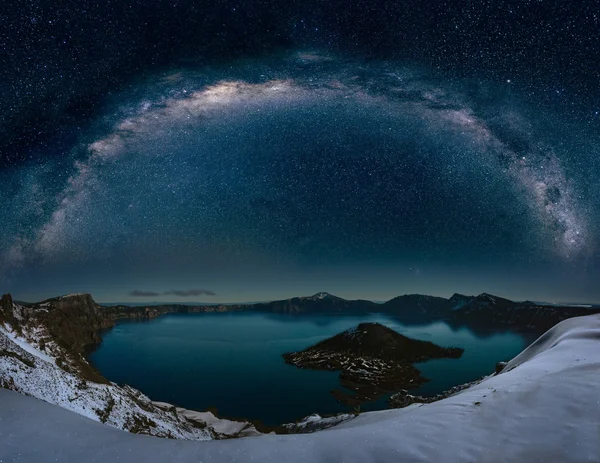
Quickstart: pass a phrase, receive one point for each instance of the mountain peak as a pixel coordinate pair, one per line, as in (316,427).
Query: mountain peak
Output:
(6,300)
(460,300)
(459,297)
(494,299)
(323,295)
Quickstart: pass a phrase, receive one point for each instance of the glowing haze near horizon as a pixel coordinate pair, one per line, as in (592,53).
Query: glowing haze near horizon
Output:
(307,172)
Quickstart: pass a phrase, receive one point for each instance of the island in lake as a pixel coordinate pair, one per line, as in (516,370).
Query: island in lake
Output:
(373,359)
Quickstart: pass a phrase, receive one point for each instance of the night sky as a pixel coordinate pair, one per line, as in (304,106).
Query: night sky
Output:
(246,151)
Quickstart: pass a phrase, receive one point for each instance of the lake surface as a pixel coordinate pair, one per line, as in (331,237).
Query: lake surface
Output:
(232,361)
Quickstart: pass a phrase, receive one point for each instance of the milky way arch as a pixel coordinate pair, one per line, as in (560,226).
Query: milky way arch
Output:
(164,159)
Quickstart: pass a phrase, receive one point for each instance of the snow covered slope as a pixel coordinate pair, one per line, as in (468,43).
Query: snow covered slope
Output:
(543,407)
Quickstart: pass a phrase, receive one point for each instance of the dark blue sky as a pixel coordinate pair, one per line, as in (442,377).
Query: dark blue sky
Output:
(307,167)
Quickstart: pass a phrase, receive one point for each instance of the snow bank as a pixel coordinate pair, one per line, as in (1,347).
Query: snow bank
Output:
(543,407)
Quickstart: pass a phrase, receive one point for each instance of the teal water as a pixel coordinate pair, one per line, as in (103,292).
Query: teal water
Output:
(232,361)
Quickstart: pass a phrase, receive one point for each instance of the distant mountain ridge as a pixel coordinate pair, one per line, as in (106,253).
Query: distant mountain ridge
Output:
(483,313)
(321,302)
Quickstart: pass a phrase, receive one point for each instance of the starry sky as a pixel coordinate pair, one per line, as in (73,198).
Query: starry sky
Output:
(230,152)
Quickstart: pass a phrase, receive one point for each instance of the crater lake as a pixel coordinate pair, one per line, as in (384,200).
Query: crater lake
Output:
(232,362)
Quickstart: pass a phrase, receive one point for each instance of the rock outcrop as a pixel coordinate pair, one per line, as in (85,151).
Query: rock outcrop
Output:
(314,423)
(6,304)
(6,309)
(403,398)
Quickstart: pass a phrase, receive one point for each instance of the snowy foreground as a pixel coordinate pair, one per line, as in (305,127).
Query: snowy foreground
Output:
(543,407)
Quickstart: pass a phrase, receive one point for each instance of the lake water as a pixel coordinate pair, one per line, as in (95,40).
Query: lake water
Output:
(232,361)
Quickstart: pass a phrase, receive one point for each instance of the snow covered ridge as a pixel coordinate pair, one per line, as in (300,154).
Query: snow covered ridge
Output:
(32,363)
(543,407)
(320,296)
